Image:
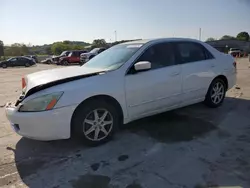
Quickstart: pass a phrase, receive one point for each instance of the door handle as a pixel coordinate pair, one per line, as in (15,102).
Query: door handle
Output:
(175,73)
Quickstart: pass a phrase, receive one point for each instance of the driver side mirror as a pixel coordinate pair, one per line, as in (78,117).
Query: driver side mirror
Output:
(142,66)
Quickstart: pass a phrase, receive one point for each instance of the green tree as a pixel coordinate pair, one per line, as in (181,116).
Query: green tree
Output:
(24,50)
(99,43)
(48,50)
(210,39)
(58,47)
(243,36)
(77,47)
(66,42)
(227,37)
(1,48)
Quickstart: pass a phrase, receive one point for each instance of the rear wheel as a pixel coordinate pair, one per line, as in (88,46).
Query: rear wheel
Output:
(216,93)
(95,122)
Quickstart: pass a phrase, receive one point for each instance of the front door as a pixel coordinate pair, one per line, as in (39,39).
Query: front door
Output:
(198,66)
(14,62)
(158,88)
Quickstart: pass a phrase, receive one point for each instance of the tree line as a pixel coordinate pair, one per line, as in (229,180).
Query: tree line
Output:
(244,36)
(56,48)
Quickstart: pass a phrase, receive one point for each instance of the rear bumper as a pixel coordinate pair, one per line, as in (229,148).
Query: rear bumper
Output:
(46,125)
(231,78)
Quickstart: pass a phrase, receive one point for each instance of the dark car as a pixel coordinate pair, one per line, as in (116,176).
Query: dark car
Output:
(17,61)
(73,57)
(33,57)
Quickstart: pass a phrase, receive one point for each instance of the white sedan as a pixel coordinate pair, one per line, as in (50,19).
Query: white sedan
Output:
(128,81)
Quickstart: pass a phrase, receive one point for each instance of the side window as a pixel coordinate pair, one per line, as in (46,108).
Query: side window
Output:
(74,54)
(78,54)
(101,50)
(14,59)
(192,52)
(160,55)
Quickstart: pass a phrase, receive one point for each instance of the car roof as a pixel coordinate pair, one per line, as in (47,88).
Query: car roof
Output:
(144,41)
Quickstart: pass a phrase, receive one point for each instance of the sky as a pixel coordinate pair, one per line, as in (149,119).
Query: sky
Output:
(46,21)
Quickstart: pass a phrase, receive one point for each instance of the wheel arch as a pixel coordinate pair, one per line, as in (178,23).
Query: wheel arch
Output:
(107,98)
(222,77)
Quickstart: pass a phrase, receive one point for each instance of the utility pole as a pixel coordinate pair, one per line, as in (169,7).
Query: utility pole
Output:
(115,36)
(199,33)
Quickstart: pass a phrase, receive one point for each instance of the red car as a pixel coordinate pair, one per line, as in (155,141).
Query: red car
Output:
(73,57)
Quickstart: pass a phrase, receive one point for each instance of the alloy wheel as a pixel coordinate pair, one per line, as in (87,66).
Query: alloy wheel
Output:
(218,92)
(98,124)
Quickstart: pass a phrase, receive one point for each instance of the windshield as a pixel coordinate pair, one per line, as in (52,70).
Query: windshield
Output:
(114,57)
(94,50)
(65,53)
(10,59)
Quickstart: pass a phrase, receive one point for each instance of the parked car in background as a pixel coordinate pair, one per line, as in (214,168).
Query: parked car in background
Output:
(18,61)
(71,58)
(236,52)
(89,55)
(47,61)
(33,57)
(55,59)
(128,81)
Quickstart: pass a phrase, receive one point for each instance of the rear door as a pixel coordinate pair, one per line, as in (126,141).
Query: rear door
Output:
(22,61)
(75,58)
(198,70)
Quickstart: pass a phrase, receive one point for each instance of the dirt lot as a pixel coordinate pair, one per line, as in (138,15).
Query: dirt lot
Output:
(192,147)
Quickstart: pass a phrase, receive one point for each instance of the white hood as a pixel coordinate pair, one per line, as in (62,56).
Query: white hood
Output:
(43,77)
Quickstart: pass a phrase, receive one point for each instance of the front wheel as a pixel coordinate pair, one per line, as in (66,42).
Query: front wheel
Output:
(216,93)
(95,122)
(27,64)
(4,65)
(65,63)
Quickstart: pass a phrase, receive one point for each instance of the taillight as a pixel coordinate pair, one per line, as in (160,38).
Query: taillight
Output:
(23,83)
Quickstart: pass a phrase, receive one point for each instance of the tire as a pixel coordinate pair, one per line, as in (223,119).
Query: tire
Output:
(65,63)
(212,99)
(27,64)
(84,126)
(4,66)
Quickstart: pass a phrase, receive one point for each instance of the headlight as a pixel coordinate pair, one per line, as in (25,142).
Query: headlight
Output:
(43,103)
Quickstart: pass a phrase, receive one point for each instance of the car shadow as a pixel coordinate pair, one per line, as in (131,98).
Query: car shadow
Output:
(30,155)
(183,124)
(180,125)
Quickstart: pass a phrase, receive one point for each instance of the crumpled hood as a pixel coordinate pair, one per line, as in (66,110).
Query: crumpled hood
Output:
(48,76)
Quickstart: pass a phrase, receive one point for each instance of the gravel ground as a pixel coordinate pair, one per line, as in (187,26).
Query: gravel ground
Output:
(193,147)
